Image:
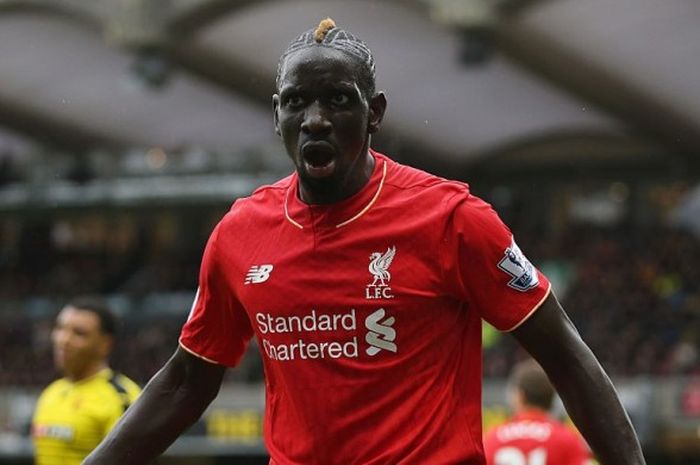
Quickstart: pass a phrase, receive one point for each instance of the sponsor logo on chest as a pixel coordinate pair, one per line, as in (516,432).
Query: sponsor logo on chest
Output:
(59,432)
(378,331)
(345,336)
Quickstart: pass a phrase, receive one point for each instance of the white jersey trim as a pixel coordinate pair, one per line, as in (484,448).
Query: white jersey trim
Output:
(286,211)
(531,312)
(340,225)
(371,202)
(197,355)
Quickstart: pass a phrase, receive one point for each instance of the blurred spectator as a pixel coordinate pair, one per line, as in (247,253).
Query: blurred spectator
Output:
(532,435)
(75,412)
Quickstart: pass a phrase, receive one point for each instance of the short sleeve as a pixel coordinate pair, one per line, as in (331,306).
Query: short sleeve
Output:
(484,266)
(218,328)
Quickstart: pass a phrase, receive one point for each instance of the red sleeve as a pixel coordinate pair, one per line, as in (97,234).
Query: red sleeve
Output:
(218,328)
(485,267)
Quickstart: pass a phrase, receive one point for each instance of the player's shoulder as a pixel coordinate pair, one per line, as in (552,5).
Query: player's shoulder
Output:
(565,433)
(122,384)
(263,202)
(414,180)
(267,193)
(444,197)
(568,442)
(54,387)
(111,383)
(491,436)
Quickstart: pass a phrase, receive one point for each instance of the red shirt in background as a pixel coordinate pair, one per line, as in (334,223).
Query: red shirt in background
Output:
(534,438)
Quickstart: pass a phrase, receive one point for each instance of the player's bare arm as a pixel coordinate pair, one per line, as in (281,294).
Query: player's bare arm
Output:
(174,399)
(587,392)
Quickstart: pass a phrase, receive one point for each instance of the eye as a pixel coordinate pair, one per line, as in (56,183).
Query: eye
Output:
(294,100)
(340,98)
(80,332)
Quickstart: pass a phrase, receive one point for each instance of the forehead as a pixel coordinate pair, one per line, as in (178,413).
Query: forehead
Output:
(317,65)
(76,317)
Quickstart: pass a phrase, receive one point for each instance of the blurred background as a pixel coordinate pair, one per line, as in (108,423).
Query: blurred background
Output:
(128,127)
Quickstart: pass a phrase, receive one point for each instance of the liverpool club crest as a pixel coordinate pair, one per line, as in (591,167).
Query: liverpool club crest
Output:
(379,268)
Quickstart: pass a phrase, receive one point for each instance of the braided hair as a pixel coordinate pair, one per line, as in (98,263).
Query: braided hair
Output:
(327,34)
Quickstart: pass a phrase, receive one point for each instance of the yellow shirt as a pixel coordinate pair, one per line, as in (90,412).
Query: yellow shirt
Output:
(71,418)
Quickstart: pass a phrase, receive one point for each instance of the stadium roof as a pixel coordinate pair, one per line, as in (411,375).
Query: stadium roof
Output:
(467,80)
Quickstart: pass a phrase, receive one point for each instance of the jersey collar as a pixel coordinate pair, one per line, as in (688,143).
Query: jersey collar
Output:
(105,372)
(339,214)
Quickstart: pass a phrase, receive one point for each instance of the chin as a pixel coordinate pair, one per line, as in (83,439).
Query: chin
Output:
(328,183)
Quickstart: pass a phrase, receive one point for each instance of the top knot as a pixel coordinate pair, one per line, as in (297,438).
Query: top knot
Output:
(322,29)
(328,35)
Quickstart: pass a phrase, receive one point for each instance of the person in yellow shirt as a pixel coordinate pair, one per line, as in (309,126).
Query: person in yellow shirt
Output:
(74,413)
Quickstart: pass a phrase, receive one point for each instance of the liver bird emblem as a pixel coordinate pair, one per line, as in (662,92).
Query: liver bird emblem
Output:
(379,266)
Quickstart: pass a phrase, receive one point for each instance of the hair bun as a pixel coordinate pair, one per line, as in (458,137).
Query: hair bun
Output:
(323,28)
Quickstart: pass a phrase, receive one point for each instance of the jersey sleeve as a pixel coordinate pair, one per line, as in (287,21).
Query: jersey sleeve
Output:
(484,266)
(218,328)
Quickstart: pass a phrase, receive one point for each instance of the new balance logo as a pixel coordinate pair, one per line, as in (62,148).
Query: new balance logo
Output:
(381,335)
(258,274)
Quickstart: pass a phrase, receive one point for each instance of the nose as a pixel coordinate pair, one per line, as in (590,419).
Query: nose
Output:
(316,122)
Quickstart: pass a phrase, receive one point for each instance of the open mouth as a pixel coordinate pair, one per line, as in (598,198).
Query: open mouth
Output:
(318,159)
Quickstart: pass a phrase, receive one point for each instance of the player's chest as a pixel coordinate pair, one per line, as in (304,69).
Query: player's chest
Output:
(67,415)
(338,270)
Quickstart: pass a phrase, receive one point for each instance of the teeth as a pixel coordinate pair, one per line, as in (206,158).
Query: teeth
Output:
(319,163)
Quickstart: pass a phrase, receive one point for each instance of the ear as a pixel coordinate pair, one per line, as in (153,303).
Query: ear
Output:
(275,113)
(516,399)
(377,107)
(105,346)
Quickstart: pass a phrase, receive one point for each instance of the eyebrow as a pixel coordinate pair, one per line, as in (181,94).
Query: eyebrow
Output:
(287,89)
(346,84)
(343,84)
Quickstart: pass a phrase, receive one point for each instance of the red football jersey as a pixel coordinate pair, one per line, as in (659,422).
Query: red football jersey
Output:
(534,438)
(368,315)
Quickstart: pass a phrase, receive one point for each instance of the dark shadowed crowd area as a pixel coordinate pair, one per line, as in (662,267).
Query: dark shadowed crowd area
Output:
(633,296)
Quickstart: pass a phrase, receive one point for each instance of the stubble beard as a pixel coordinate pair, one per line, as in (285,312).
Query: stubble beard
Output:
(329,187)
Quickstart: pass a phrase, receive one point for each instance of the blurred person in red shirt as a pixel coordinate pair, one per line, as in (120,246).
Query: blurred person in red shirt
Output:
(532,436)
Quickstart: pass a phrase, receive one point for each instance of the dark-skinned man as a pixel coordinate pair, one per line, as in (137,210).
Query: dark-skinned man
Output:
(365,283)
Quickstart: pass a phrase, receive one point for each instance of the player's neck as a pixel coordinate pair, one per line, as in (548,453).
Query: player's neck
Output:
(87,373)
(350,184)
(531,410)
